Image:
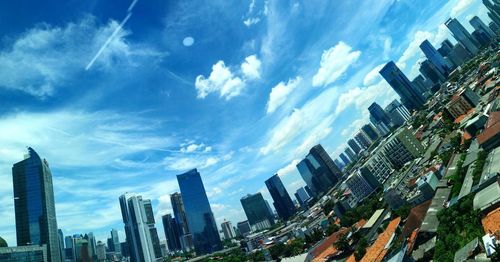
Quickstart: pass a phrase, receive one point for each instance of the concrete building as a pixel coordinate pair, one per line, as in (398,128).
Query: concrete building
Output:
(462,102)
(352,156)
(362,140)
(402,147)
(376,170)
(358,186)
(227,230)
(24,253)
(398,113)
(462,35)
(244,228)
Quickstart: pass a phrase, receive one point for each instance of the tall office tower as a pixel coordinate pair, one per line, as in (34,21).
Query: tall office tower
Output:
(137,228)
(316,175)
(402,86)
(69,253)
(422,83)
(34,205)
(481,37)
(377,114)
(358,186)
(459,55)
(171,233)
(398,113)
(462,35)
(354,146)
(370,132)
(60,237)
(302,196)
(478,24)
(348,151)
(227,230)
(344,158)
(446,47)
(256,210)
(200,218)
(115,241)
(92,244)
(282,201)
(150,216)
(244,228)
(493,10)
(362,140)
(185,237)
(494,27)
(320,154)
(434,57)
(430,71)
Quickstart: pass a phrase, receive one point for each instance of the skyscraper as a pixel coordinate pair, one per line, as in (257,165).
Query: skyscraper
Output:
(137,229)
(462,35)
(377,114)
(398,113)
(354,145)
(478,24)
(60,236)
(227,230)
(446,47)
(34,204)
(434,57)
(199,214)
(370,132)
(148,208)
(171,233)
(282,201)
(344,158)
(362,140)
(185,237)
(256,210)
(115,241)
(493,10)
(402,86)
(430,71)
(302,196)
(325,160)
(316,175)
(348,151)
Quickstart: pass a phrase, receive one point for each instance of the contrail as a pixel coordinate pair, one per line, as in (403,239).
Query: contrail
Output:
(129,14)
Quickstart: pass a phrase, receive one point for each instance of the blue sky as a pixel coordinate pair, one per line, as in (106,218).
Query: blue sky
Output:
(239,89)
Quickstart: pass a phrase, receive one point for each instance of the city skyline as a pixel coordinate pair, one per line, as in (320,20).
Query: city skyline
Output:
(148,166)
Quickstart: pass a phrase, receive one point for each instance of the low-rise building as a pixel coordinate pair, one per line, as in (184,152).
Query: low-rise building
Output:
(24,253)
(462,102)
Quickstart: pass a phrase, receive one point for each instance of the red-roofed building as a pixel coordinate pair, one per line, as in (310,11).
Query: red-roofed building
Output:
(490,137)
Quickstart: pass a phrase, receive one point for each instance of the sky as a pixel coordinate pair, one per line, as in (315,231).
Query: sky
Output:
(121,96)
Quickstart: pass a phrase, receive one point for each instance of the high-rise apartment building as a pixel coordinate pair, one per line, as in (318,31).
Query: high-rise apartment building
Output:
(358,186)
(282,201)
(148,208)
(344,158)
(348,151)
(199,214)
(363,140)
(370,132)
(410,97)
(34,205)
(402,147)
(185,237)
(137,229)
(228,230)
(115,241)
(462,35)
(398,113)
(320,154)
(256,210)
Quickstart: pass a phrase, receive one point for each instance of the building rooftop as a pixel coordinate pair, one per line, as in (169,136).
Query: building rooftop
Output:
(492,128)
(373,219)
(465,252)
(431,221)
(488,197)
(491,222)
(414,219)
(472,152)
(378,250)
(492,165)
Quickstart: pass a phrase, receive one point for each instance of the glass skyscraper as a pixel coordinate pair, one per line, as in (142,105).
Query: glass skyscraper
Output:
(410,97)
(462,35)
(434,57)
(377,114)
(282,201)
(256,209)
(171,233)
(34,205)
(180,217)
(200,218)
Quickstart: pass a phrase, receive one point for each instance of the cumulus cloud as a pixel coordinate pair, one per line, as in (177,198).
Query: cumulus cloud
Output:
(413,48)
(280,92)
(226,83)
(251,67)
(460,7)
(373,76)
(288,169)
(334,62)
(193,147)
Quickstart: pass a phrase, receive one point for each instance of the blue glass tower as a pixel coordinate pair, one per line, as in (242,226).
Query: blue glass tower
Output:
(200,218)
(434,57)
(410,97)
(282,201)
(34,205)
(462,35)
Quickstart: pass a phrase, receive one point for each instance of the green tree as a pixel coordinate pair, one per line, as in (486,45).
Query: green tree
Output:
(342,243)
(403,211)
(3,243)
(361,249)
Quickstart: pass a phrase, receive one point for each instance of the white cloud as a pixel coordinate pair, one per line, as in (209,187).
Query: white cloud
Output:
(225,82)
(221,80)
(46,58)
(251,21)
(279,93)
(460,7)
(363,97)
(413,48)
(334,62)
(373,76)
(193,147)
(288,169)
(251,67)
(387,47)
